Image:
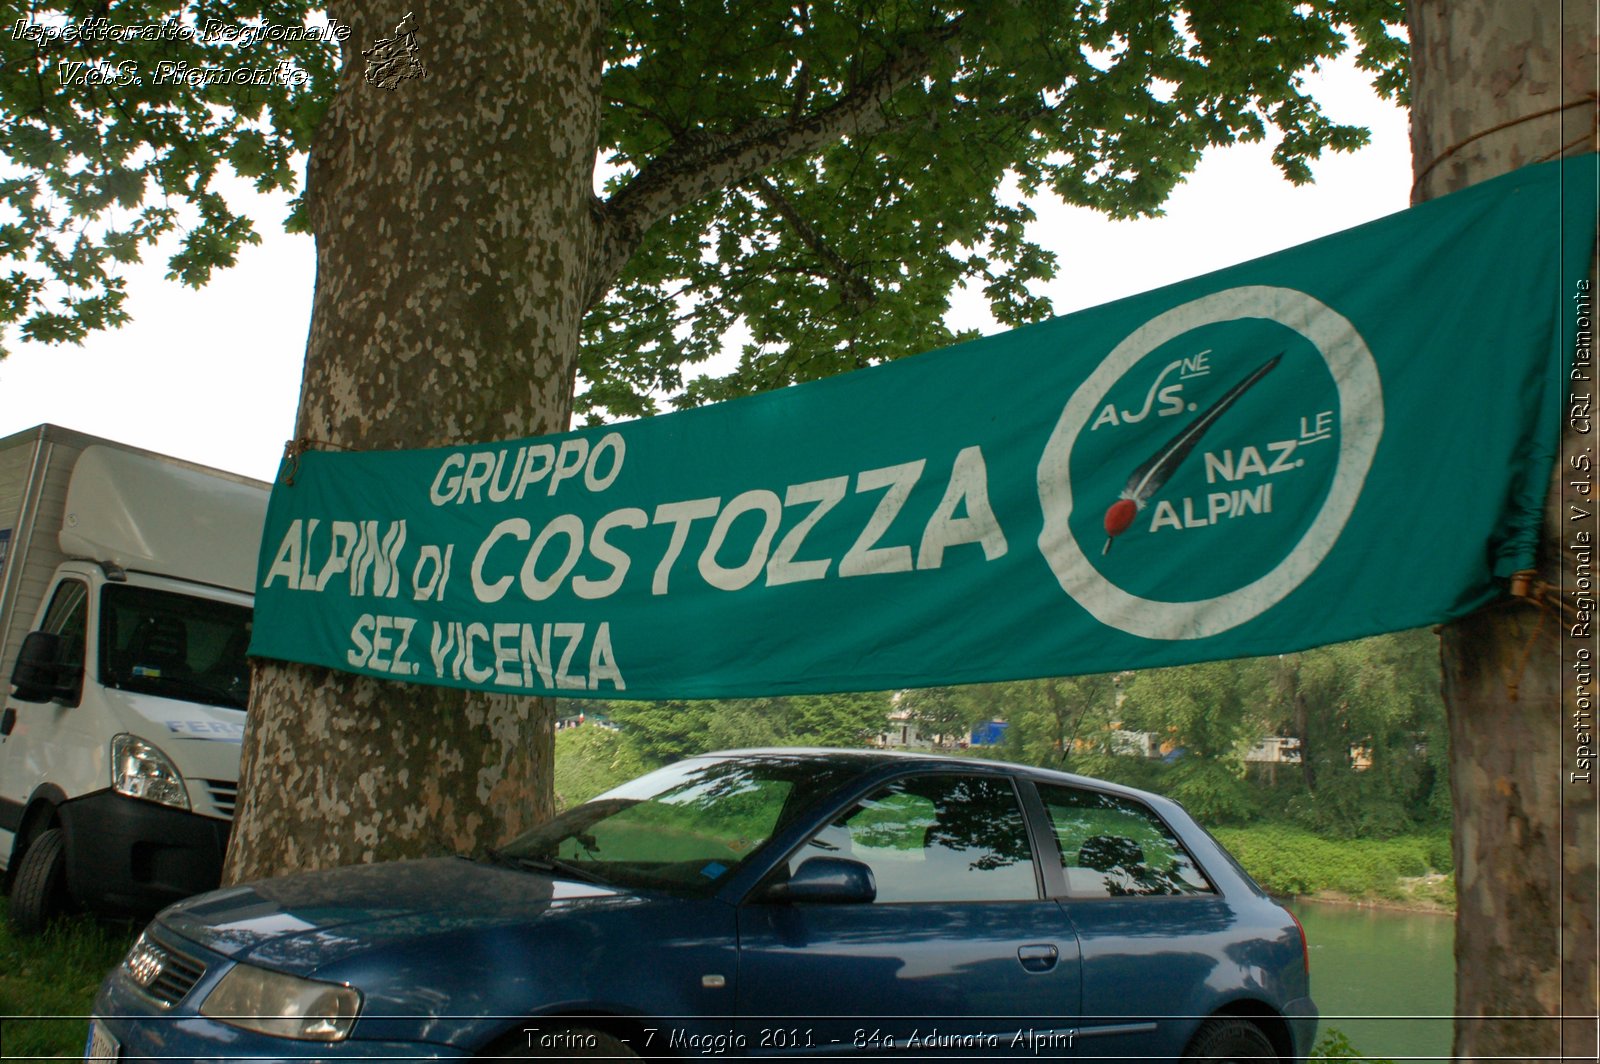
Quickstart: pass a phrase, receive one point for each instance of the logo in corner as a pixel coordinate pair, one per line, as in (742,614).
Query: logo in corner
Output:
(392,60)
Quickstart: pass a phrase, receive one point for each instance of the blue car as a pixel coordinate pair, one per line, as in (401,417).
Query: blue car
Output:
(760,902)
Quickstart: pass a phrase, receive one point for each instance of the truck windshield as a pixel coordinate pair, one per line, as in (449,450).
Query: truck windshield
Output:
(175,646)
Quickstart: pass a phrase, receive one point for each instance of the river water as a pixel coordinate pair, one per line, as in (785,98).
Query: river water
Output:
(1384,978)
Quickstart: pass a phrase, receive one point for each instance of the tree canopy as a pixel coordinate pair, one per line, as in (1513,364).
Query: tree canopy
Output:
(115,125)
(812,179)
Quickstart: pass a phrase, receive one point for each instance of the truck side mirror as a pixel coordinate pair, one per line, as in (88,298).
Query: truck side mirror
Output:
(37,676)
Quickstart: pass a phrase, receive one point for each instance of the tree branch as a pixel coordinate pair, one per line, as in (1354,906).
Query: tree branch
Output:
(698,163)
(853,286)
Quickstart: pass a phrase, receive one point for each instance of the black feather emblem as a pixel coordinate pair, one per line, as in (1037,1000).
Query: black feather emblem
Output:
(1152,474)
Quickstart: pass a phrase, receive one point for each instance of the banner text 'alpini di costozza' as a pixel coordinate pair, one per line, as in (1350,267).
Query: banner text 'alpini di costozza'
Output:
(1348,437)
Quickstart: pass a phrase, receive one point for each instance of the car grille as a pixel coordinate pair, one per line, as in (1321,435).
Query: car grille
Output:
(164,974)
(224,795)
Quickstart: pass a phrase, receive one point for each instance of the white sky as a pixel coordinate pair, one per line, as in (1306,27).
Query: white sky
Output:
(214,375)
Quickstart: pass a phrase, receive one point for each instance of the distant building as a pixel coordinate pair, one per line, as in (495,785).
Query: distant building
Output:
(903,733)
(1128,743)
(1275,750)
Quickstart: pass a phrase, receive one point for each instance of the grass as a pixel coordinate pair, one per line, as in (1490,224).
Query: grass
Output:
(54,977)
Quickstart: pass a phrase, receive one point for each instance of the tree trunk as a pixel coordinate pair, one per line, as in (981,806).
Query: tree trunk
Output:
(1302,728)
(1525,818)
(454,230)
(1058,711)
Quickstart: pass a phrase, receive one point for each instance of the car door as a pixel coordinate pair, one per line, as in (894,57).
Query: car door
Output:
(1152,929)
(959,953)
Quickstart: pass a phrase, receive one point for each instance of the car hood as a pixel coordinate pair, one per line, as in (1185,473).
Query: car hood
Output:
(303,922)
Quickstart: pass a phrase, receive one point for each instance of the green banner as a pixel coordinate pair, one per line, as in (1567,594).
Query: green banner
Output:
(1349,437)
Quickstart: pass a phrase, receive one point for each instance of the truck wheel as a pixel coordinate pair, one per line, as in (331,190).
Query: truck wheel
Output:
(39,893)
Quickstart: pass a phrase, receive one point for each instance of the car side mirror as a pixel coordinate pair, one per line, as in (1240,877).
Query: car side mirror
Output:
(826,881)
(37,675)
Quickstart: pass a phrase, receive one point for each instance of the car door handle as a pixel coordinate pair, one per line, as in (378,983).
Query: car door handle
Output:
(1038,958)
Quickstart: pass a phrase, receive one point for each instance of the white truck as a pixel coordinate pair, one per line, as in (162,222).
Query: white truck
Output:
(125,598)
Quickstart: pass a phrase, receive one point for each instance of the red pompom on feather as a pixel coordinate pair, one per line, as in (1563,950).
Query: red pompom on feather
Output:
(1120,516)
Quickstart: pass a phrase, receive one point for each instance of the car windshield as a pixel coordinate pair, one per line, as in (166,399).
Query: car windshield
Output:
(175,646)
(682,829)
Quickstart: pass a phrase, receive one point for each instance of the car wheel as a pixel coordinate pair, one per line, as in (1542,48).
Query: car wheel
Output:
(1230,1041)
(39,892)
(550,1042)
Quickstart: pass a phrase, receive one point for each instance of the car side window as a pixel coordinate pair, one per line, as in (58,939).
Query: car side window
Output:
(1113,847)
(68,617)
(949,838)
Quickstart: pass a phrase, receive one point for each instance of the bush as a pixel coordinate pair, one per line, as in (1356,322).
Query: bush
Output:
(1333,1045)
(1439,853)
(1292,861)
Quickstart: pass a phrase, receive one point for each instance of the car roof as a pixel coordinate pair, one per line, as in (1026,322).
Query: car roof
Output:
(869,758)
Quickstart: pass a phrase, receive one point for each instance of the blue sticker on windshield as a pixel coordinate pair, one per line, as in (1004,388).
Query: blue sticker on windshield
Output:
(713,870)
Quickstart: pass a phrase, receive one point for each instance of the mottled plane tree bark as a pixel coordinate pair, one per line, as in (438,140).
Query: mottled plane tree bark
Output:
(456,225)
(1498,84)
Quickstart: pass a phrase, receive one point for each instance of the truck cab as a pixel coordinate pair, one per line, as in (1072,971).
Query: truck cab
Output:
(120,736)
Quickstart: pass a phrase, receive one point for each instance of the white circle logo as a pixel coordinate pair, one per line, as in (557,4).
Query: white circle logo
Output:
(1360,396)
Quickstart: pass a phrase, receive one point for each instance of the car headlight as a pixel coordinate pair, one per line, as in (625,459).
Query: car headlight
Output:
(140,770)
(283,1005)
